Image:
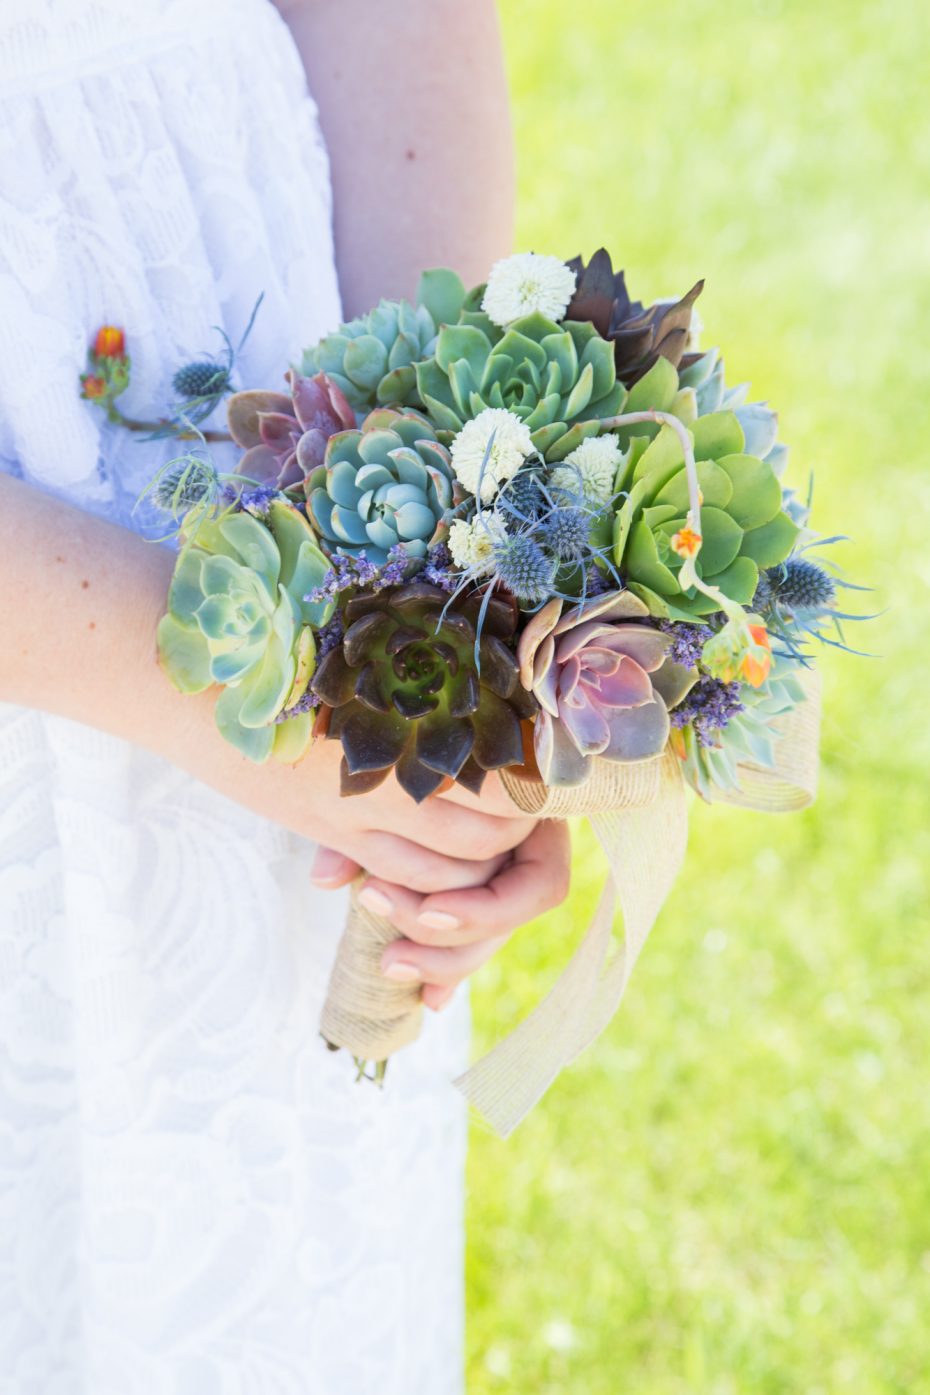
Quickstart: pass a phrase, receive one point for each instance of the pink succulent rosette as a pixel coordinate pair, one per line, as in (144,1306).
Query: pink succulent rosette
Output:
(603,682)
(284,437)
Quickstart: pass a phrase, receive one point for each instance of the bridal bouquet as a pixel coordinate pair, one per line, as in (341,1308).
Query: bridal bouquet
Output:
(525,528)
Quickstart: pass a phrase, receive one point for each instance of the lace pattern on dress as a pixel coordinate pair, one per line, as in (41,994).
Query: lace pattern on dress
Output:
(195,1197)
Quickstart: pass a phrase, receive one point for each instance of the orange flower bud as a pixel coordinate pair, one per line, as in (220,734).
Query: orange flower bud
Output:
(92,386)
(755,667)
(686,542)
(110,342)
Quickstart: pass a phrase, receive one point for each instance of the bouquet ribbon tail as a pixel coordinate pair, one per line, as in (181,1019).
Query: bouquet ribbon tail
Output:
(639,814)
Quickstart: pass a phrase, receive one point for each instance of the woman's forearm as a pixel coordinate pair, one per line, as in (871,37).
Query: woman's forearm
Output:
(82,602)
(413,104)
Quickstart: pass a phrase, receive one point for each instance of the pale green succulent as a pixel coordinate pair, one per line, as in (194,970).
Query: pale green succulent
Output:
(237,616)
(372,358)
(559,379)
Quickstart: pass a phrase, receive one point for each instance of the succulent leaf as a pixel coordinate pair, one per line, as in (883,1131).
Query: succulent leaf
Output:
(639,336)
(742,522)
(603,683)
(388,483)
(372,358)
(236,616)
(551,376)
(408,692)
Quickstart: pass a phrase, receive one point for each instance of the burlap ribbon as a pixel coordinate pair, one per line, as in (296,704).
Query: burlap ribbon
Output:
(639,815)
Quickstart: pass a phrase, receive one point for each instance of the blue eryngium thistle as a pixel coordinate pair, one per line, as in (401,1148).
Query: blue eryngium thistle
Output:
(522,566)
(522,500)
(185,482)
(798,584)
(564,532)
(201,379)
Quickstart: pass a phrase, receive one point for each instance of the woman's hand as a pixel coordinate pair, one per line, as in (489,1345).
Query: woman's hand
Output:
(450,933)
(448,842)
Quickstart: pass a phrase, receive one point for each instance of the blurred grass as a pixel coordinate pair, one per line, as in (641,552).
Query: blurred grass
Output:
(730,1192)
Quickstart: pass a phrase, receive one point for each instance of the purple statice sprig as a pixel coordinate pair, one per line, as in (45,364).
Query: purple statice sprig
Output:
(686,642)
(708,708)
(439,569)
(357,573)
(258,501)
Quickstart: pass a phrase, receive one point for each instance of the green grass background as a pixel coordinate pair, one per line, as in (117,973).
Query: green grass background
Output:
(731,1191)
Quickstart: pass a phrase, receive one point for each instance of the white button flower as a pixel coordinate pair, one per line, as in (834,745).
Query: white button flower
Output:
(472,544)
(510,446)
(525,283)
(591,468)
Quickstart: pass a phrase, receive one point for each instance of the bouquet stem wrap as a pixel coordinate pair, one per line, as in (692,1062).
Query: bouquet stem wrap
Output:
(639,814)
(366,1013)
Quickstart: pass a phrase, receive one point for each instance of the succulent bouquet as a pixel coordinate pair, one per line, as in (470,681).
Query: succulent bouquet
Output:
(527,528)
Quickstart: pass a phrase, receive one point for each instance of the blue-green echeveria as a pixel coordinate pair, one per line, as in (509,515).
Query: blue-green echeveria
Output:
(372,358)
(237,616)
(558,378)
(743,524)
(389,482)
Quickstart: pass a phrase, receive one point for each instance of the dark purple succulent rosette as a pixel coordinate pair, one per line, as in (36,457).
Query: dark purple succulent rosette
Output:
(414,689)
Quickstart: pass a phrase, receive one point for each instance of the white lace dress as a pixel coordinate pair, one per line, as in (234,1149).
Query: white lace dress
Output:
(195,1196)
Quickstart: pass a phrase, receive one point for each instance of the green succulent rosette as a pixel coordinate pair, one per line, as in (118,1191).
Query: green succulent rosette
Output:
(413,689)
(372,357)
(743,524)
(703,376)
(237,616)
(558,378)
(389,482)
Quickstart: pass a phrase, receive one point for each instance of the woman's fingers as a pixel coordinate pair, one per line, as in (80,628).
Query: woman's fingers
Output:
(333,869)
(444,825)
(533,880)
(406,962)
(450,934)
(390,858)
(436,996)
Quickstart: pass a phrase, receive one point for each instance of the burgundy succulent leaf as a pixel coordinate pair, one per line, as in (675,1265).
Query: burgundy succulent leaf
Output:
(639,334)
(284,437)
(604,685)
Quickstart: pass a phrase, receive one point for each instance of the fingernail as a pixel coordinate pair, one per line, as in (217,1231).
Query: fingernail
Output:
(328,868)
(374,901)
(402,973)
(439,920)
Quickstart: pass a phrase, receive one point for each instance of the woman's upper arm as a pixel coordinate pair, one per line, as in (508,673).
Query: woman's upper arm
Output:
(413,105)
